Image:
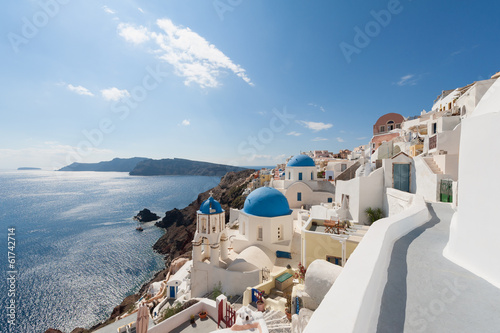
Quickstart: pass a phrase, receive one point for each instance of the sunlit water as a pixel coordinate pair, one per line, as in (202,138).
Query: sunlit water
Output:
(77,251)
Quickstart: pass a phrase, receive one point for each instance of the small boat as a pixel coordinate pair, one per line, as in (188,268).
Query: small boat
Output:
(139,228)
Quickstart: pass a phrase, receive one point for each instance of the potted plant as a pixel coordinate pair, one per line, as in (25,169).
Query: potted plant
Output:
(203,314)
(288,306)
(192,319)
(261,306)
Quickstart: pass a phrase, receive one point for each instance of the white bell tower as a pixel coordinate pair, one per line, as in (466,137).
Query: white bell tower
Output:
(210,241)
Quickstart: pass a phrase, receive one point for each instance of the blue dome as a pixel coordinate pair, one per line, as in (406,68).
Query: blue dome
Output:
(301,161)
(266,202)
(211,206)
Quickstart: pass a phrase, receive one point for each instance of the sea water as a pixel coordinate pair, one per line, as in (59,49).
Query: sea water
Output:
(77,253)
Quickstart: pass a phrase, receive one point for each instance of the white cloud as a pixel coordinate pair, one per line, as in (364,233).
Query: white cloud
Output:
(317,106)
(191,55)
(50,155)
(362,138)
(406,80)
(339,139)
(186,122)
(132,34)
(294,133)
(114,94)
(319,139)
(315,126)
(140,9)
(80,90)
(108,10)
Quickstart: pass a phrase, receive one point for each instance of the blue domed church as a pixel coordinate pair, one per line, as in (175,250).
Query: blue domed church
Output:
(236,258)
(301,186)
(266,220)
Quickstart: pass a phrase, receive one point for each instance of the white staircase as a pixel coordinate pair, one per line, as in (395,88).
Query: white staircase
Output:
(433,166)
(277,322)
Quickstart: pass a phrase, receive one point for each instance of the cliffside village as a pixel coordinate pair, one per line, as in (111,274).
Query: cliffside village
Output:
(355,241)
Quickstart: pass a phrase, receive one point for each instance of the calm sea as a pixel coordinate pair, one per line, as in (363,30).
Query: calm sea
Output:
(77,253)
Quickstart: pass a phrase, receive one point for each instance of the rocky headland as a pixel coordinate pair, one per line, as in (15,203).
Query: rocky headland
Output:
(180,225)
(181,167)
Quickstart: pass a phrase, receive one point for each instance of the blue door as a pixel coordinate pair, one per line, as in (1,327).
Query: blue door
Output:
(172,292)
(402,177)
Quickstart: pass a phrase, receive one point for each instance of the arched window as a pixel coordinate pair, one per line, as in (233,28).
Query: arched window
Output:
(260,233)
(390,125)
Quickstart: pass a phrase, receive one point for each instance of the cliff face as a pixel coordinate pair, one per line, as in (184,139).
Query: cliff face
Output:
(180,224)
(179,166)
(117,164)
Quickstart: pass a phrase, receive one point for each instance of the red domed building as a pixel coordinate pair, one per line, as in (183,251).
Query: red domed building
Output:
(383,129)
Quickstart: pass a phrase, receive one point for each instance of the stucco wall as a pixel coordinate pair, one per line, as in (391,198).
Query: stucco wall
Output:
(387,166)
(356,294)
(176,320)
(317,245)
(249,228)
(292,173)
(206,276)
(363,192)
(426,180)
(475,229)
(448,164)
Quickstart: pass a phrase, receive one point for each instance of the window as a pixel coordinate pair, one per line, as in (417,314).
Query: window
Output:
(242,227)
(300,175)
(289,175)
(390,125)
(343,166)
(434,128)
(382,129)
(334,260)
(398,125)
(259,233)
(312,176)
(299,196)
(330,200)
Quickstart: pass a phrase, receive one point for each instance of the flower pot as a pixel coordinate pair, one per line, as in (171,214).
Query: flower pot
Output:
(202,315)
(261,306)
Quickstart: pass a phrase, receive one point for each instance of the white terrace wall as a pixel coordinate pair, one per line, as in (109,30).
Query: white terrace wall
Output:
(353,302)
(363,192)
(208,276)
(475,228)
(176,320)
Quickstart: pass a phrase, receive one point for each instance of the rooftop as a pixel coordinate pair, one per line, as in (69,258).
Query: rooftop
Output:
(301,161)
(266,202)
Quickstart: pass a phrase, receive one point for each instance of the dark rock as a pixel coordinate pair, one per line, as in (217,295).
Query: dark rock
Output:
(146,215)
(80,330)
(52,330)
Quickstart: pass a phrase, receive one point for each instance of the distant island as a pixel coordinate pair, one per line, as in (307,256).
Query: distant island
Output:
(179,166)
(28,168)
(116,165)
(141,166)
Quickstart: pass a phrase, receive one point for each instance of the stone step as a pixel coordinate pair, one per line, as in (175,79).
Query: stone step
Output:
(433,165)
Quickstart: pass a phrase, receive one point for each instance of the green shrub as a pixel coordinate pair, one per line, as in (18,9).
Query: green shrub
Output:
(374,214)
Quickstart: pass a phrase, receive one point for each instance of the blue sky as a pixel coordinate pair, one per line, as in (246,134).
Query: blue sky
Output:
(230,81)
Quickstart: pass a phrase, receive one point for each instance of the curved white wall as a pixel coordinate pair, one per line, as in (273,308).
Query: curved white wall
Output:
(353,302)
(475,228)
